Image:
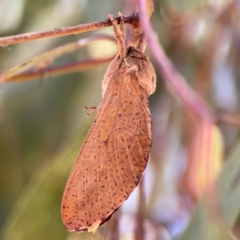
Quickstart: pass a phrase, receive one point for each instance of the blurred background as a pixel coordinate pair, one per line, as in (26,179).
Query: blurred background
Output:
(43,124)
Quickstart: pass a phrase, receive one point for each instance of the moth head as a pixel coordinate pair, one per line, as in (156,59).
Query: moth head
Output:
(138,63)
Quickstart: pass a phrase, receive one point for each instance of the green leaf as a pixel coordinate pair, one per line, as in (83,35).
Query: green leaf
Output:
(186,6)
(206,223)
(36,214)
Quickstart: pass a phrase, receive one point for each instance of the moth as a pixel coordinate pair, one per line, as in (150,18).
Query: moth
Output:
(116,150)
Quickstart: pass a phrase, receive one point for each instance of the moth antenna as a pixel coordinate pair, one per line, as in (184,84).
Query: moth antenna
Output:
(122,25)
(119,32)
(142,43)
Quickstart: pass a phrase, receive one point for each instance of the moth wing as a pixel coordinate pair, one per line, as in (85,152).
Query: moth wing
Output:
(112,159)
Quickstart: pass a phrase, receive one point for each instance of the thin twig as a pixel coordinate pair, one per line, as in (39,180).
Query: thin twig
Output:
(46,58)
(227,117)
(57,32)
(174,80)
(139,233)
(232,235)
(60,70)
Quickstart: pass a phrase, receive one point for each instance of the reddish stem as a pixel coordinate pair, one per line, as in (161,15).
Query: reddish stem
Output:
(174,80)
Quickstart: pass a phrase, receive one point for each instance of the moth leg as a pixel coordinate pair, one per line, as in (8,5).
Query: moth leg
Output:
(94,109)
(119,32)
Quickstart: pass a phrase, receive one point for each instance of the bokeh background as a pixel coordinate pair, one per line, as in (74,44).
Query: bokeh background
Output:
(43,124)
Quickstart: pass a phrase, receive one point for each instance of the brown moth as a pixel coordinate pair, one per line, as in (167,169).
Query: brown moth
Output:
(116,150)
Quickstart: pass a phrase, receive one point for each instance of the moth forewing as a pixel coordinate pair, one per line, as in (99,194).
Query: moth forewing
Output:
(114,155)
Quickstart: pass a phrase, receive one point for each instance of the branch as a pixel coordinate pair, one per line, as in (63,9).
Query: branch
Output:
(57,32)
